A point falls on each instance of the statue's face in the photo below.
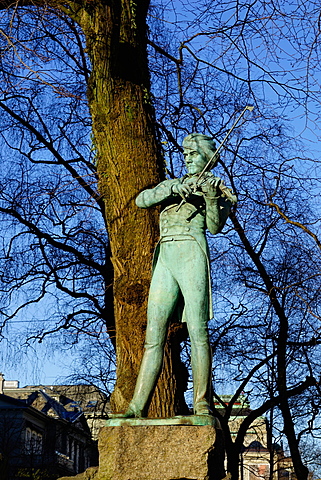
(195, 159)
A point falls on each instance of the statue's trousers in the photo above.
(181, 268)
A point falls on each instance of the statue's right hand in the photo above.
(182, 189)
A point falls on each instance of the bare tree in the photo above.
(206, 61)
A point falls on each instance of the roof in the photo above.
(17, 403)
(59, 409)
(14, 402)
(255, 446)
(89, 397)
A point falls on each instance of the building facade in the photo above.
(259, 459)
(41, 439)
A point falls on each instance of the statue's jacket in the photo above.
(189, 221)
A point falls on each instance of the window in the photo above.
(33, 441)
(259, 472)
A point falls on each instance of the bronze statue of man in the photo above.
(181, 270)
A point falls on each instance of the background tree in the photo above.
(273, 267)
(123, 130)
(206, 62)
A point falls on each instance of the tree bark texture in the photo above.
(128, 160)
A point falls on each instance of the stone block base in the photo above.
(90, 474)
(160, 452)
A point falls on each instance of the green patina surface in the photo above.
(194, 420)
(180, 284)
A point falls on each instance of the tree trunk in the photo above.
(300, 469)
(233, 456)
(128, 160)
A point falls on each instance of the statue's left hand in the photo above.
(210, 185)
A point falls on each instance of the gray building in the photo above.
(41, 438)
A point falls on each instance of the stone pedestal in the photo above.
(160, 452)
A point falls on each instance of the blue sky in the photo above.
(45, 363)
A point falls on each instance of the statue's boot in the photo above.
(130, 413)
(146, 381)
(201, 368)
(202, 408)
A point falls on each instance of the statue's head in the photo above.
(198, 149)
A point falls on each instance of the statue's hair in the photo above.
(203, 143)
